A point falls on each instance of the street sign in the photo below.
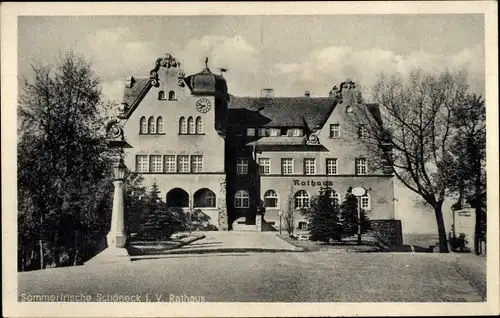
(280, 213)
(358, 191)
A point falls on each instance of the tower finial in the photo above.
(206, 62)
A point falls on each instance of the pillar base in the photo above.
(116, 239)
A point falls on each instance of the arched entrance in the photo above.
(177, 197)
(204, 198)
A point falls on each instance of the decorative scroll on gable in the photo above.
(169, 62)
(345, 87)
(114, 134)
(114, 130)
(312, 139)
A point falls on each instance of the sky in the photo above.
(290, 54)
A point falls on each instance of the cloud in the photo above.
(117, 53)
(233, 53)
(236, 54)
(331, 65)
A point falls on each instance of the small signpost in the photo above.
(280, 213)
(359, 192)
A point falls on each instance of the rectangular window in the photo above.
(331, 166)
(141, 163)
(287, 166)
(183, 163)
(242, 166)
(365, 202)
(362, 132)
(309, 166)
(360, 166)
(196, 163)
(262, 132)
(334, 131)
(251, 132)
(170, 164)
(264, 165)
(156, 163)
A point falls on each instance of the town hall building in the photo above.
(234, 158)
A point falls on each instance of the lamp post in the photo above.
(359, 192)
(116, 236)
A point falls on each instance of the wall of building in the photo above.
(379, 188)
(209, 144)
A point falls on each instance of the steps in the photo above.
(240, 225)
(244, 227)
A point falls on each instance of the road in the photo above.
(321, 276)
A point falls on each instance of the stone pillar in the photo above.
(222, 207)
(116, 236)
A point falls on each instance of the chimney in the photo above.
(267, 93)
(307, 93)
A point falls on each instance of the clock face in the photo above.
(203, 105)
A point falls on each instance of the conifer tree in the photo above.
(158, 221)
(324, 217)
(349, 215)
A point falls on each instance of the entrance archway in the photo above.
(178, 198)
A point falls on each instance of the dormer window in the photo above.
(274, 132)
(171, 95)
(262, 132)
(251, 132)
(161, 95)
(348, 109)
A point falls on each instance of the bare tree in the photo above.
(408, 131)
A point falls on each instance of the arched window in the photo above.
(143, 126)
(182, 126)
(270, 199)
(366, 202)
(161, 95)
(199, 125)
(159, 125)
(171, 95)
(191, 125)
(302, 199)
(335, 196)
(151, 125)
(241, 199)
(204, 198)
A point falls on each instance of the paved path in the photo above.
(322, 276)
(238, 241)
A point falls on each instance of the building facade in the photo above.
(233, 158)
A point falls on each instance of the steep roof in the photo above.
(131, 93)
(280, 111)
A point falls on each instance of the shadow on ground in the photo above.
(228, 251)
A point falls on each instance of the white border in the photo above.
(9, 14)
